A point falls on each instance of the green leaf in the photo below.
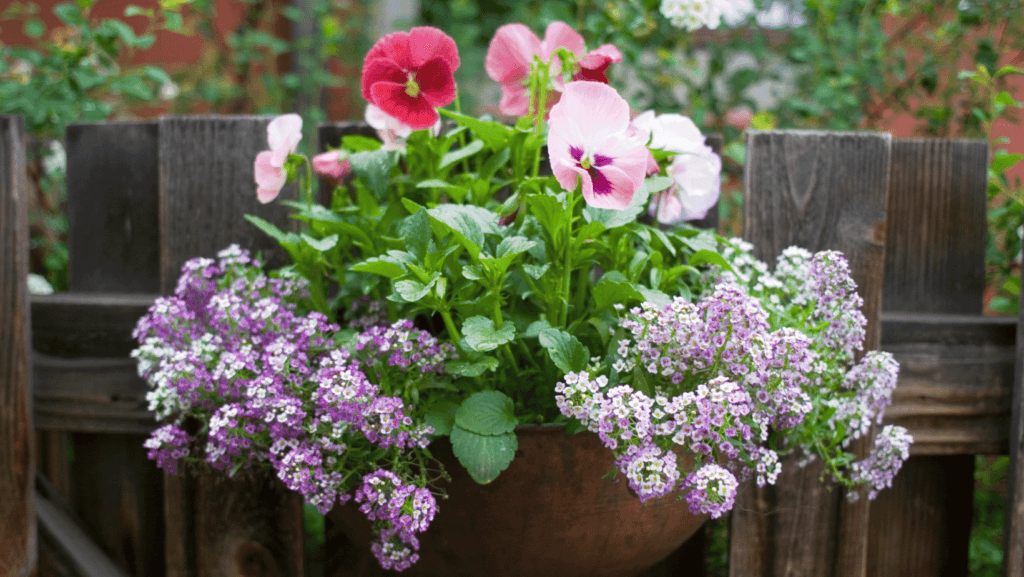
(655, 184)
(435, 183)
(1000, 162)
(549, 211)
(709, 257)
(359, 143)
(441, 416)
(536, 271)
(383, 266)
(487, 413)
(565, 350)
(495, 135)
(272, 231)
(416, 231)
(607, 293)
(34, 28)
(69, 14)
(469, 223)
(483, 456)
(653, 295)
(374, 168)
(323, 244)
(535, 329)
(481, 336)
(412, 291)
(454, 156)
(471, 369)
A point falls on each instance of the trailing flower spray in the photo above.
(452, 288)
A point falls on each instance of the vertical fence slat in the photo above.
(817, 190)
(206, 186)
(17, 509)
(935, 255)
(113, 247)
(217, 526)
(1013, 533)
(112, 215)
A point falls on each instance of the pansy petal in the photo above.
(612, 188)
(561, 35)
(510, 53)
(427, 43)
(394, 47)
(601, 56)
(698, 177)
(329, 164)
(600, 102)
(437, 85)
(566, 171)
(269, 179)
(666, 207)
(395, 101)
(515, 101)
(283, 135)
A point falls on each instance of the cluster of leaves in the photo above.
(525, 301)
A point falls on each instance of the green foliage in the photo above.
(986, 542)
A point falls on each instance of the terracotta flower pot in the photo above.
(551, 513)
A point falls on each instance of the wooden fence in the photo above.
(143, 197)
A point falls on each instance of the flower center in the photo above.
(411, 87)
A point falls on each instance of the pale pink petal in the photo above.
(566, 171)
(331, 165)
(666, 206)
(652, 165)
(283, 135)
(601, 56)
(606, 112)
(270, 179)
(514, 101)
(510, 53)
(677, 133)
(391, 130)
(617, 190)
(561, 35)
(698, 177)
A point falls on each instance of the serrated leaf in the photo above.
(565, 350)
(653, 295)
(471, 369)
(481, 335)
(483, 456)
(374, 168)
(415, 229)
(535, 329)
(487, 413)
(412, 291)
(608, 293)
(441, 416)
(494, 134)
(468, 223)
(536, 271)
(321, 244)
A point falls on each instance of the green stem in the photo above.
(567, 269)
(462, 135)
(449, 324)
(538, 122)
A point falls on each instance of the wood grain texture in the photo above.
(113, 228)
(820, 191)
(1013, 533)
(207, 185)
(91, 324)
(247, 526)
(935, 240)
(18, 553)
(81, 552)
(950, 394)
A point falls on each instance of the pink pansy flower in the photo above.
(331, 165)
(283, 135)
(410, 74)
(589, 138)
(695, 168)
(391, 130)
(511, 53)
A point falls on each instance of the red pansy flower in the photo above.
(409, 74)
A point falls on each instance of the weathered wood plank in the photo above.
(948, 394)
(112, 207)
(84, 555)
(18, 554)
(87, 324)
(207, 185)
(1013, 532)
(935, 260)
(817, 190)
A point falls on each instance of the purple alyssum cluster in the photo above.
(398, 511)
(761, 354)
(231, 349)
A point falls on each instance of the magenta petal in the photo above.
(510, 53)
(427, 43)
(394, 101)
(381, 70)
(269, 179)
(328, 164)
(436, 82)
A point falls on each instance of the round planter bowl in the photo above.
(551, 513)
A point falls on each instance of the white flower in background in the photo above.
(696, 169)
(37, 285)
(55, 160)
(692, 15)
(391, 130)
(169, 91)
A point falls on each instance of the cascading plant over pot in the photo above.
(452, 290)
